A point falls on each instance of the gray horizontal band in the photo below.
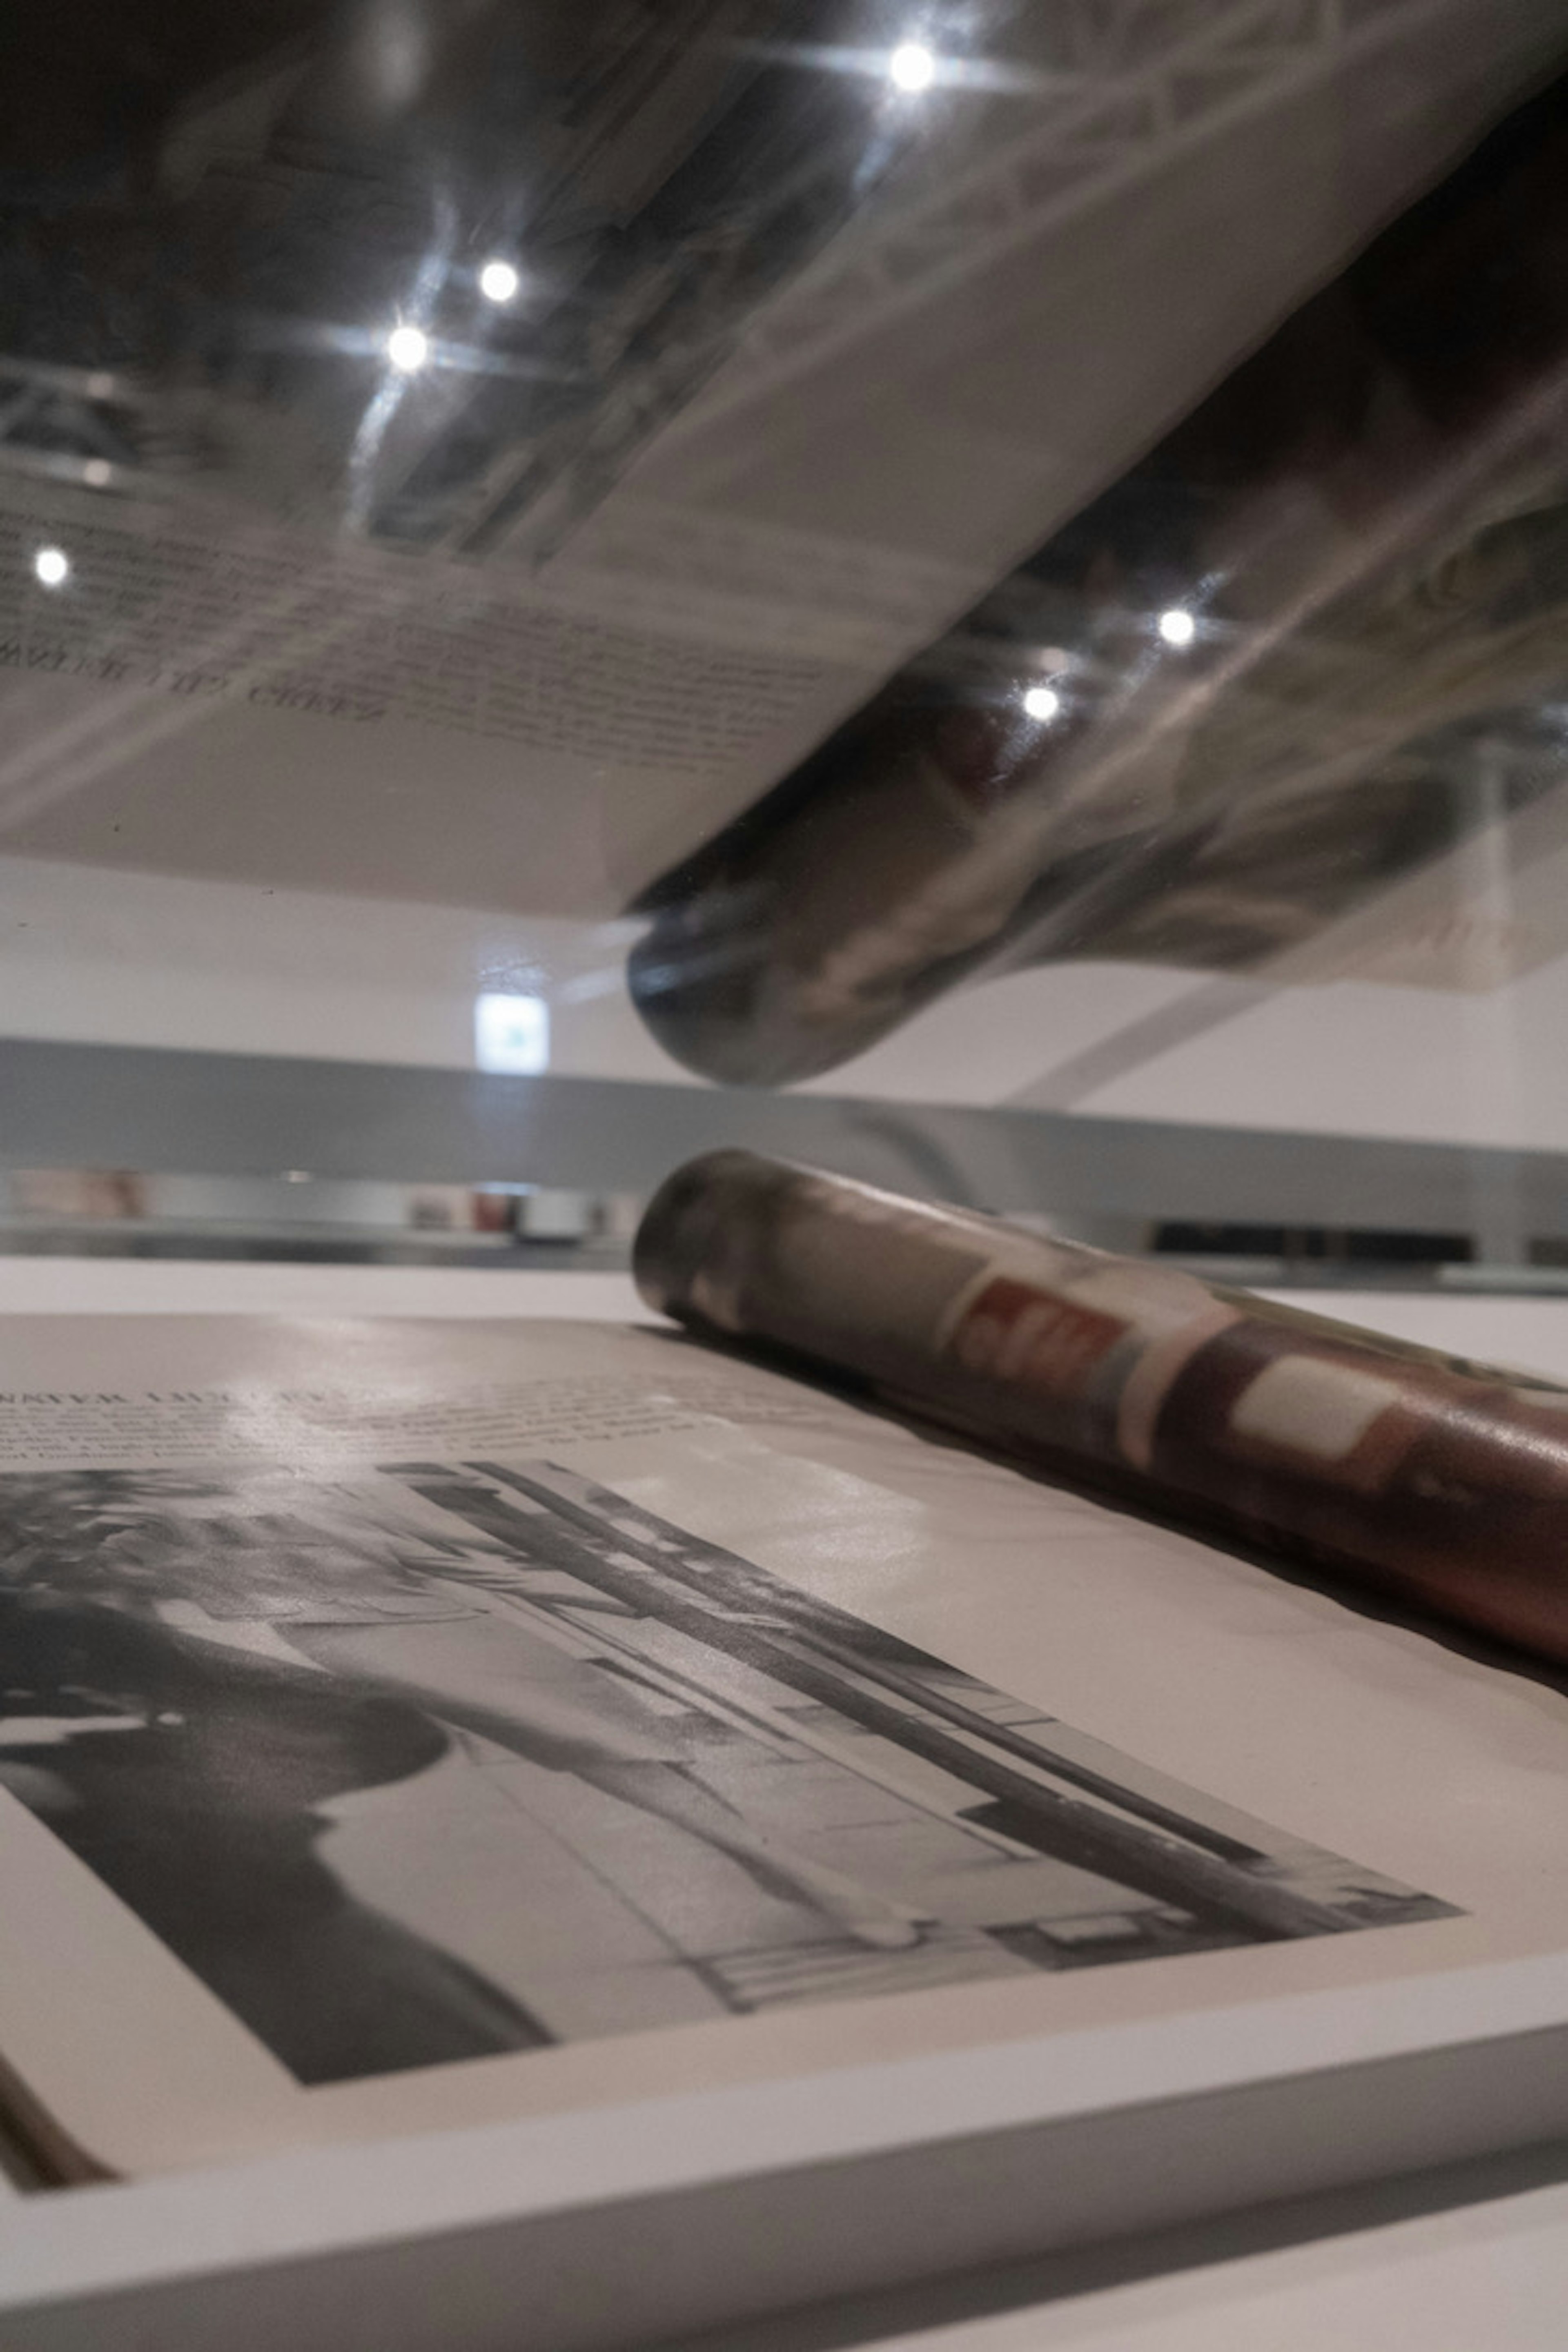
(81, 1106)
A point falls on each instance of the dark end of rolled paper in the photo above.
(690, 1236)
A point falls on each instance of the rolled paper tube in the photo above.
(1443, 1481)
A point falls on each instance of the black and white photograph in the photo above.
(446, 1759)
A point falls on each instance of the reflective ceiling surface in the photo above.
(977, 555)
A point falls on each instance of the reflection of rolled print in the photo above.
(1445, 1480)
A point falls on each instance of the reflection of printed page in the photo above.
(259, 705)
(634, 1721)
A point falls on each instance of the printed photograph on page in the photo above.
(452, 1758)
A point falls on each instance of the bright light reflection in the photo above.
(1177, 627)
(498, 281)
(1042, 702)
(51, 565)
(511, 1034)
(912, 67)
(407, 348)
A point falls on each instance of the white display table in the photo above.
(1490, 2270)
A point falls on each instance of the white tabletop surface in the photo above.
(1489, 2276)
(139, 1285)
(1525, 1331)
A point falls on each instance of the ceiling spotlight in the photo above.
(912, 67)
(1042, 702)
(1177, 627)
(51, 566)
(498, 281)
(407, 348)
